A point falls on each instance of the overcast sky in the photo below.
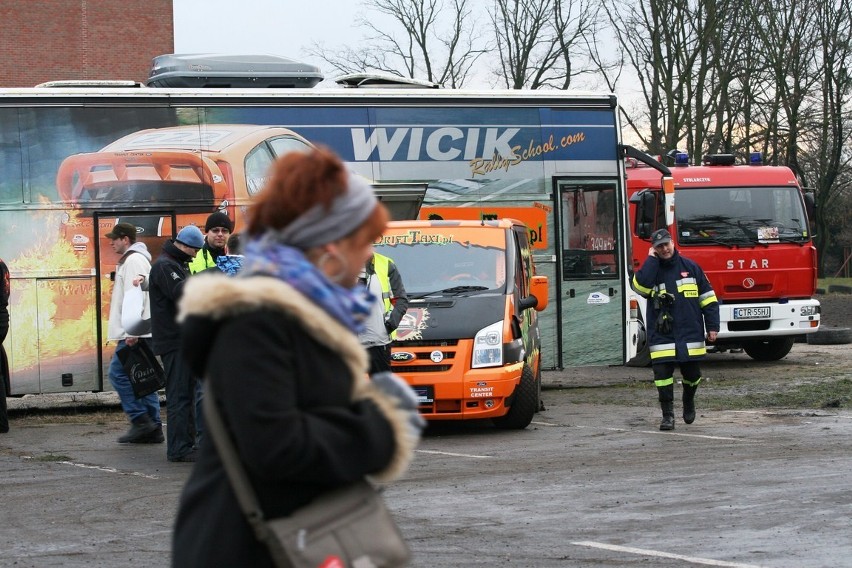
(277, 27)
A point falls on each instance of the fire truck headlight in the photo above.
(488, 346)
(810, 310)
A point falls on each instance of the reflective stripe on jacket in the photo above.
(694, 310)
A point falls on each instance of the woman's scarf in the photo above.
(266, 256)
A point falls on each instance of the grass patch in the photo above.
(723, 394)
(822, 394)
(51, 458)
(824, 283)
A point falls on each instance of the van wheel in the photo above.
(769, 349)
(524, 404)
(539, 404)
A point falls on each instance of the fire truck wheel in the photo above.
(769, 349)
(831, 336)
(523, 406)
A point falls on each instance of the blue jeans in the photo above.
(133, 407)
(183, 403)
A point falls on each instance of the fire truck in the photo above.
(748, 227)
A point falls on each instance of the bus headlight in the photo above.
(488, 346)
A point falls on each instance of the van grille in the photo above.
(420, 368)
(426, 343)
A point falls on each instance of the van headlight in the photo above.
(488, 346)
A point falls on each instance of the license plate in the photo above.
(424, 394)
(752, 313)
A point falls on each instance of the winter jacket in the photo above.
(136, 261)
(5, 291)
(165, 286)
(205, 259)
(291, 385)
(694, 307)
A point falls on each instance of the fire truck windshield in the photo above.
(738, 215)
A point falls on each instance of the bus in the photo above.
(77, 160)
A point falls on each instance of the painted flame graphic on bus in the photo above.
(53, 317)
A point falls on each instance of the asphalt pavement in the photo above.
(583, 485)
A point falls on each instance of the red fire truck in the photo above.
(748, 227)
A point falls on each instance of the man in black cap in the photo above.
(217, 230)
(681, 305)
(134, 263)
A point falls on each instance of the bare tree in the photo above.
(435, 40)
(539, 41)
(826, 130)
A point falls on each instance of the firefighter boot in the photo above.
(667, 423)
(689, 402)
(667, 406)
(141, 430)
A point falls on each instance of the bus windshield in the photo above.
(740, 215)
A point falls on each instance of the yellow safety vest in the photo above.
(381, 268)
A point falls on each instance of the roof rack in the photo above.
(361, 80)
(89, 83)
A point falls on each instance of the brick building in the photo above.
(50, 40)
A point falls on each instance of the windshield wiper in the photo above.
(701, 239)
(796, 240)
(451, 291)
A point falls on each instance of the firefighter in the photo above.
(681, 306)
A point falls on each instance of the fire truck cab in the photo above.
(748, 227)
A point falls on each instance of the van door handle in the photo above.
(612, 292)
(570, 293)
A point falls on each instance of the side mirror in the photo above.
(810, 205)
(646, 212)
(538, 297)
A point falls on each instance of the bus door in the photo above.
(592, 294)
(153, 229)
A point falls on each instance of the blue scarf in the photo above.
(266, 256)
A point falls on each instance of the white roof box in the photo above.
(205, 70)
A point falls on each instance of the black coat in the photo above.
(291, 385)
(165, 287)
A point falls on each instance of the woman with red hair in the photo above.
(278, 348)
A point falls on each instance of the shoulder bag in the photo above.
(348, 527)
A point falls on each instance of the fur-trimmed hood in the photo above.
(216, 297)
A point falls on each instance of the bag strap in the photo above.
(237, 474)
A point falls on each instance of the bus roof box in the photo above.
(205, 70)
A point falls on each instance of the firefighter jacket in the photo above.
(677, 290)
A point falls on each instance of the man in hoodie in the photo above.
(134, 262)
(183, 397)
(217, 228)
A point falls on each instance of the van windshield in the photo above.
(454, 268)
